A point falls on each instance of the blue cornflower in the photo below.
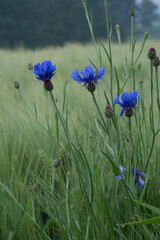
(44, 71)
(138, 175)
(89, 77)
(129, 102)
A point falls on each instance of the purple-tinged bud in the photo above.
(108, 111)
(129, 112)
(151, 53)
(131, 11)
(156, 62)
(48, 85)
(16, 84)
(140, 80)
(56, 163)
(30, 66)
(91, 87)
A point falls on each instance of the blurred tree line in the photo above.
(39, 23)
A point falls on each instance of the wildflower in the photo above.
(16, 84)
(138, 175)
(123, 172)
(108, 111)
(138, 178)
(151, 53)
(45, 72)
(131, 11)
(156, 62)
(56, 163)
(89, 77)
(129, 102)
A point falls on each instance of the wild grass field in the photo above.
(81, 199)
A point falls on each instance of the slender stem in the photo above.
(94, 100)
(62, 121)
(157, 87)
(154, 136)
(152, 98)
(52, 183)
(130, 130)
(132, 50)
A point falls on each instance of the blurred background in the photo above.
(38, 23)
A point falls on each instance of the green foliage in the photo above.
(34, 23)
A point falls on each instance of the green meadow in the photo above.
(81, 199)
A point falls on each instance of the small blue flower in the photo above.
(138, 175)
(44, 71)
(88, 76)
(138, 178)
(129, 102)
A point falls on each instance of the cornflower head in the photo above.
(137, 175)
(88, 76)
(129, 102)
(44, 72)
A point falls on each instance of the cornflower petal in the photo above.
(129, 101)
(44, 71)
(88, 76)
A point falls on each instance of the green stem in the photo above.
(94, 100)
(52, 183)
(132, 50)
(62, 121)
(153, 140)
(157, 86)
(130, 130)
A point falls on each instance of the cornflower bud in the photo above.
(91, 87)
(30, 66)
(48, 85)
(146, 33)
(151, 53)
(117, 26)
(129, 112)
(108, 111)
(16, 84)
(131, 11)
(56, 163)
(140, 80)
(156, 62)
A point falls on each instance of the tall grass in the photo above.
(81, 199)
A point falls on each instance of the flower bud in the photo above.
(56, 163)
(117, 26)
(156, 62)
(48, 85)
(91, 87)
(129, 112)
(108, 111)
(16, 84)
(146, 33)
(140, 80)
(131, 11)
(30, 66)
(151, 53)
